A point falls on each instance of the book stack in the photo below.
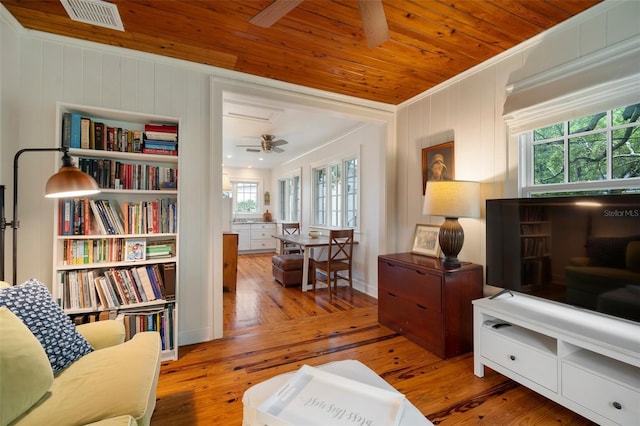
(158, 250)
(160, 139)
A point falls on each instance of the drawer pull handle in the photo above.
(421, 307)
(512, 357)
(391, 294)
(421, 272)
(617, 405)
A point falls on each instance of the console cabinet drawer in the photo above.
(601, 395)
(520, 358)
(412, 283)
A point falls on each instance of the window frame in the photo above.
(234, 191)
(526, 143)
(330, 201)
(290, 197)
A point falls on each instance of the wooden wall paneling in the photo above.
(72, 74)
(113, 86)
(92, 78)
(145, 83)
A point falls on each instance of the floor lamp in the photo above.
(68, 182)
(452, 199)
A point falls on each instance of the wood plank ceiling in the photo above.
(320, 43)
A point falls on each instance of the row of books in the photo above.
(116, 287)
(85, 133)
(114, 174)
(84, 216)
(159, 319)
(109, 250)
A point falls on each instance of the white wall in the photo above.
(468, 109)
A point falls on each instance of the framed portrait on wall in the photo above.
(437, 163)
(425, 240)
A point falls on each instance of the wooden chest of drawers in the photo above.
(428, 303)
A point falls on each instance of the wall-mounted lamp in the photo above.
(452, 199)
(68, 182)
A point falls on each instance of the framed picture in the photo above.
(135, 249)
(437, 163)
(425, 240)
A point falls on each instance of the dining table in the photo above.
(307, 244)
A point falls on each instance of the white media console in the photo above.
(587, 362)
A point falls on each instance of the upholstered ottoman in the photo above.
(287, 269)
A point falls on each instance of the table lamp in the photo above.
(452, 199)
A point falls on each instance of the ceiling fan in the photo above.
(267, 145)
(374, 21)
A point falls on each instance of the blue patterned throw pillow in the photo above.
(33, 304)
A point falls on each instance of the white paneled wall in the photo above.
(49, 71)
(469, 109)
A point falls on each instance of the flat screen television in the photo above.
(583, 251)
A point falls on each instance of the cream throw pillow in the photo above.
(24, 368)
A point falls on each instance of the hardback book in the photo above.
(66, 130)
(99, 136)
(85, 132)
(75, 130)
(169, 279)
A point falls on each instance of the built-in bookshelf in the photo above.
(115, 254)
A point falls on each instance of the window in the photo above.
(289, 189)
(336, 194)
(595, 153)
(245, 198)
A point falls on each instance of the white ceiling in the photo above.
(246, 118)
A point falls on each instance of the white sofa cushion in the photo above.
(25, 373)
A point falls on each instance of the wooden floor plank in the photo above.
(269, 330)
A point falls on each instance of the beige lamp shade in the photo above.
(454, 198)
(70, 182)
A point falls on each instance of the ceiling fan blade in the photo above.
(272, 13)
(253, 150)
(276, 149)
(374, 22)
(279, 142)
(248, 146)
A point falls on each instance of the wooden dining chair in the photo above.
(290, 229)
(339, 258)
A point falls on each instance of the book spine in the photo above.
(99, 136)
(66, 130)
(85, 132)
(75, 130)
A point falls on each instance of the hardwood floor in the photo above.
(270, 330)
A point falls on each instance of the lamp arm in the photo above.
(15, 223)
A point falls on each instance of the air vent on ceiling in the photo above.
(94, 12)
